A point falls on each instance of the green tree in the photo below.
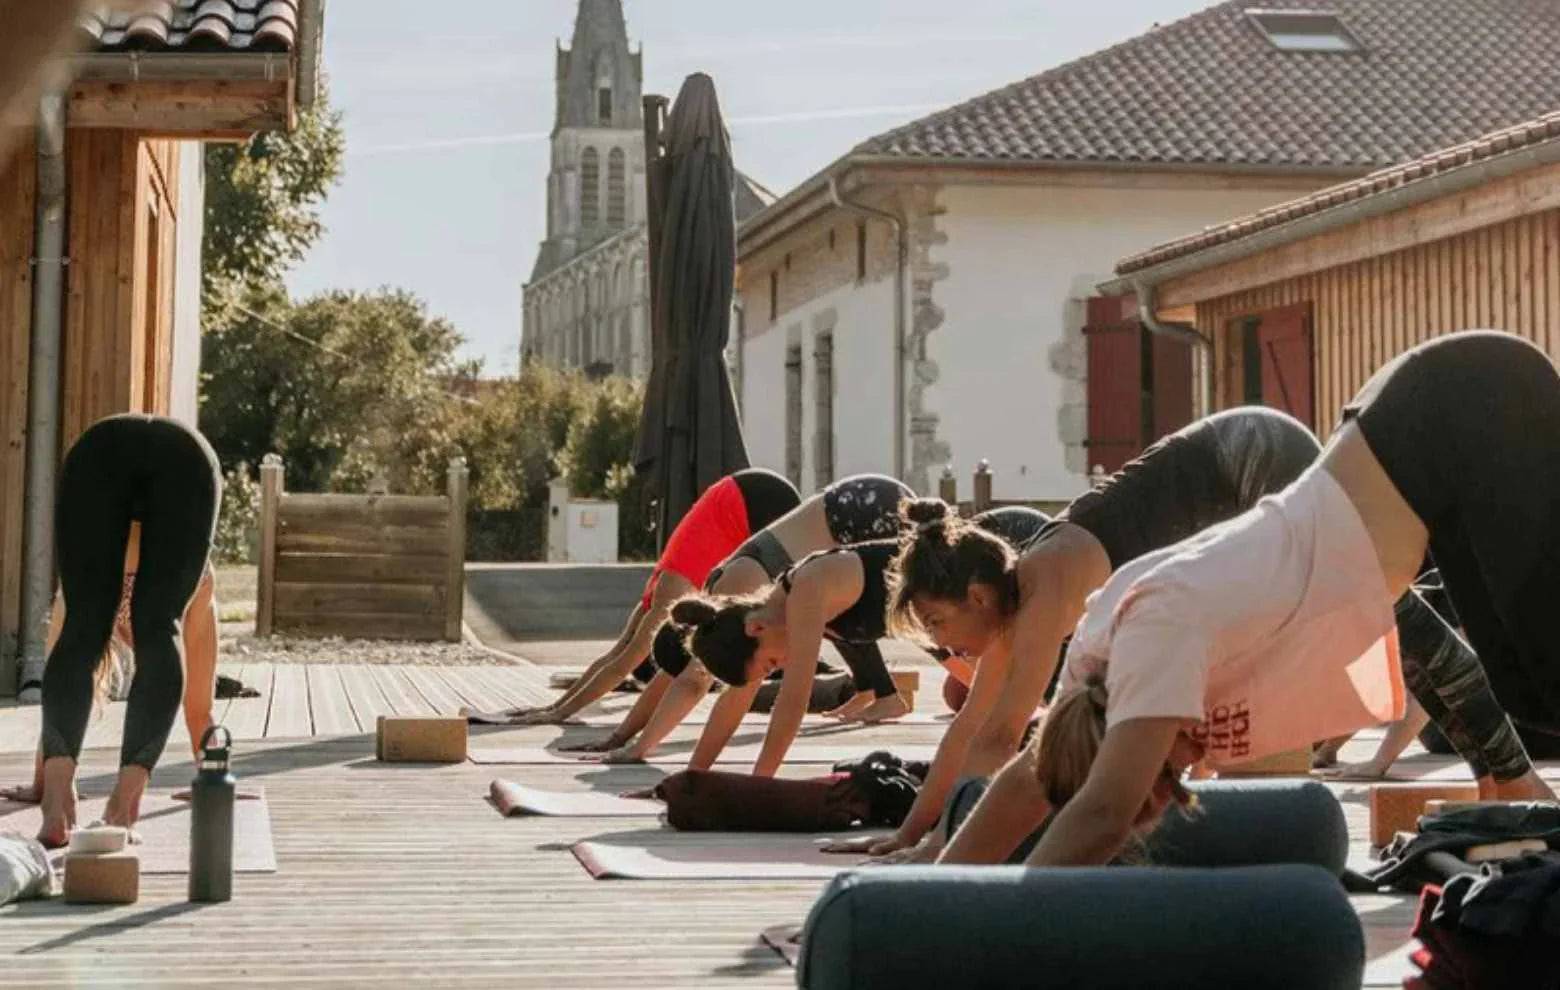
(347, 387)
(262, 205)
(598, 460)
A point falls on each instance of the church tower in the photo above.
(595, 187)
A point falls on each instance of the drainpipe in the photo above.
(901, 279)
(43, 396)
(1182, 332)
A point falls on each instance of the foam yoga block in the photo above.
(421, 739)
(1116, 927)
(1396, 808)
(1235, 823)
(102, 878)
(1290, 763)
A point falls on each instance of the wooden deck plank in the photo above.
(328, 702)
(246, 717)
(289, 717)
(473, 691)
(434, 689)
(368, 701)
(400, 694)
(521, 685)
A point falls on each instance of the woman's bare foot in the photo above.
(124, 804)
(884, 709)
(59, 801)
(23, 793)
(1528, 787)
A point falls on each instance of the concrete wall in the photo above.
(185, 374)
(999, 274)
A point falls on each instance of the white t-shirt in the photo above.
(1272, 630)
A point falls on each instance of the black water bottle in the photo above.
(212, 795)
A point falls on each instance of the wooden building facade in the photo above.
(144, 97)
(1301, 303)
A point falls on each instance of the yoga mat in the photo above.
(165, 832)
(513, 799)
(660, 855)
(786, 940)
(829, 754)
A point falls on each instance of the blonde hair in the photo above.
(1070, 740)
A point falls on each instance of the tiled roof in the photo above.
(1503, 142)
(1212, 90)
(196, 25)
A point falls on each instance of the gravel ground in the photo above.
(240, 645)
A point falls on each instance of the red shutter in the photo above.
(1115, 387)
(1284, 338)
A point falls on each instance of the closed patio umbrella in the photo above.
(689, 434)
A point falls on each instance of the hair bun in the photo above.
(927, 511)
(693, 612)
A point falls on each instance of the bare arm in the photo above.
(645, 706)
(633, 645)
(200, 658)
(1056, 578)
(1399, 736)
(680, 697)
(725, 718)
(1012, 807)
(950, 763)
(1092, 828)
(820, 589)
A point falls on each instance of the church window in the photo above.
(617, 188)
(604, 106)
(590, 188)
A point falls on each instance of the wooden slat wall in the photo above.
(362, 566)
(17, 181)
(1504, 277)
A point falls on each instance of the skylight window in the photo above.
(1304, 30)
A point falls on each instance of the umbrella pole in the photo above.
(654, 123)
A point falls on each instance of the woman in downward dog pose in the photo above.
(135, 514)
(728, 513)
(964, 591)
(1201, 650)
(840, 595)
(856, 509)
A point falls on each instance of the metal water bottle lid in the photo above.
(215, 757)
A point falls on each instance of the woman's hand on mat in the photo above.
(606, 745)
(872, 845)
(22, 794)
(644, 793)
(623, 754)
(924, 851)
(1368, 770)
(537, 716)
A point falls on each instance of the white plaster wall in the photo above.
(185, 374)
(863, 326)
(1020, 261)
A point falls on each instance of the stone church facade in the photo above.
(587, 302)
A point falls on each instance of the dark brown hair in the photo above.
(940, 556)
(715, 631)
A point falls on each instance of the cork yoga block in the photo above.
(1290, 763)
(102, 878)
(907, 681)
(1396, 808)
(421, 739)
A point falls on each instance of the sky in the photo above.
(447, 109)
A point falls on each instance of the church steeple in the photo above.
(595, 186)
(599, 80)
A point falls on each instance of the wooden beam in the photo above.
(182, 109)
(1447, 216)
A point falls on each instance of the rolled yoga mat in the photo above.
(1116, 927)
(1235, 823)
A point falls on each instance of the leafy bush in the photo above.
(238, 522)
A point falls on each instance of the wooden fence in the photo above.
(948, 491)
(362, 566)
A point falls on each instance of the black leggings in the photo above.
(124, 469)
(1467, 427)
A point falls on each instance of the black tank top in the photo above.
(865, 620)
(1194, 478)
(766, 495)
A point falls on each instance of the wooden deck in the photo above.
(402, 875)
